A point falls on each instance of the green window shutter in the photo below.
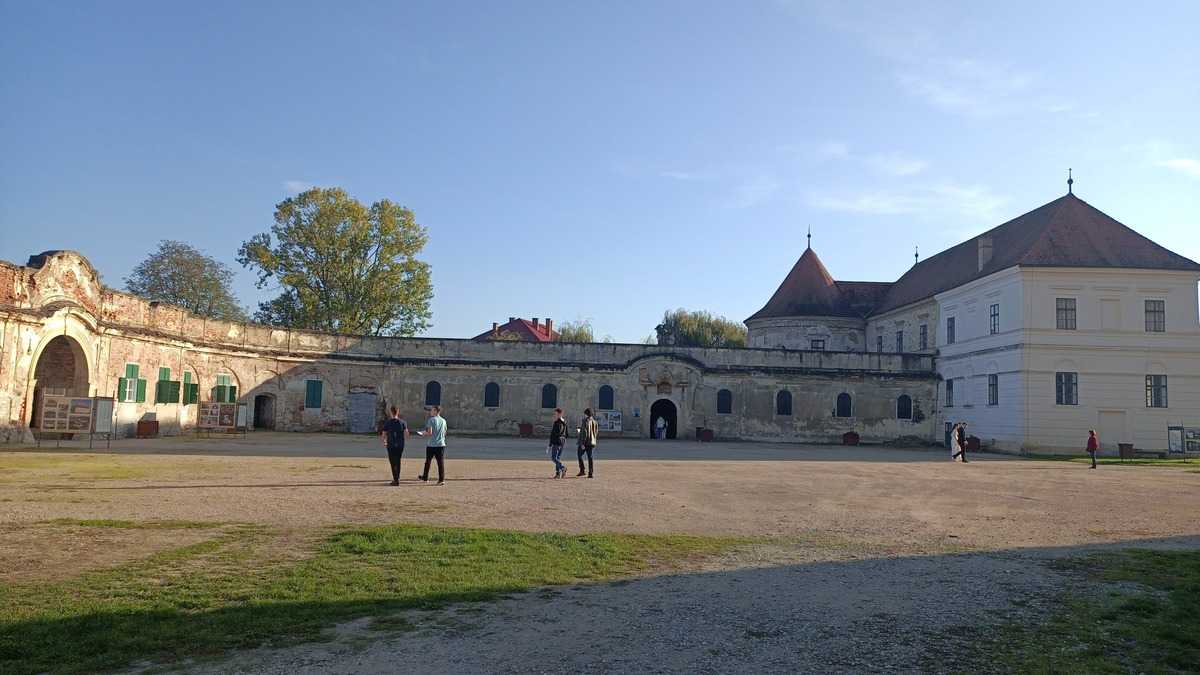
(231, 394)
(141, 391)
(131, 371)
(191, 393)
(160, 391)
(164, 374)
(218, 393)
(173, 391)
(312, 393)
(187, 378)
(120, 389)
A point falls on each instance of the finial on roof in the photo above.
(916, 254)
(810, 236)
(1070, 181)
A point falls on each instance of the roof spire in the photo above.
(1070, 181)
(916, 254)
(810, 236)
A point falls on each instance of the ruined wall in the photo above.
(115, 329)
(839, 334)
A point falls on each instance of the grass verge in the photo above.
(225, 593)
(1142, 620)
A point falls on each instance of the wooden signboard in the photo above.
(67, 414)
(221, 417)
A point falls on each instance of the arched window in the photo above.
(433, 393)
(845, 406)
(606, 398)
(724, 402)
(904, 407)
(783, 403)
(549, 396)
(491, 395)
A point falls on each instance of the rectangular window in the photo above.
(131, 389)
(993, 390)
(1066, 388)
(224, 392)
(1156, 391)
(1064, 313)
(312, 393)
(816, 345)
(879, 343)
(994, 319)
(191, 390)
(1156, 316)
(950, 330)
(949, 393)
(166, 390)
(899, 341)
(924, 337)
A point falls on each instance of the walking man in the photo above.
(394, 432)
(1093, 445)
(589, 432)
(435, 427)
(558, 433)
(660, 428)
(959, 439)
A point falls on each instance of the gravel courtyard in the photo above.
(865, 558)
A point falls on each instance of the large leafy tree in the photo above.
(343, 267)
(579, 331)
(699, 329)
(179, 274)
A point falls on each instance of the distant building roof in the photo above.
(1067, 232)
(521, 330)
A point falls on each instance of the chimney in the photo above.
(535, 323)
(549, 326)
(985, 251)
(512, 319)
(495, 327)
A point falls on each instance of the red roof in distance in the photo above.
(520, 330)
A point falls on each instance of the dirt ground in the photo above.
(886, 499)
(870, 557)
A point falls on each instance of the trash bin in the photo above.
(1125, 450)
(850, 438)
(526, 429)
(147, 428)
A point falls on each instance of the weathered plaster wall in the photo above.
(839, 334)
(60, 294)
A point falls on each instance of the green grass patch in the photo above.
(232, 592)
(1144, 622)
(1116, 461)
(67, 466)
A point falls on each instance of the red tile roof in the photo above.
(1067, 232)
(525, 331)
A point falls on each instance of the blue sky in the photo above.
(595, 160)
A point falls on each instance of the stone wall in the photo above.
(60, 294)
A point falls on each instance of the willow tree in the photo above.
(699, 329)
(342, 267)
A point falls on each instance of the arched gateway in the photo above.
(61, 369)
(665, 409)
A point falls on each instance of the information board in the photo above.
(1182, 439)
(67, 414)
(217, 416)
(608, 420)
(104, 416)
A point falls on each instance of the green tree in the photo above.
(179, 274)
(699, 329)
(579, 331)
(344, 267)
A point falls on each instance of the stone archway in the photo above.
(666, 409)
(60, 368)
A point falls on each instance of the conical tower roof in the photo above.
(807, 290)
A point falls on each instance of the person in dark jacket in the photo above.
(393, 435)
(558, 434)
(1093, 445)
(961, 436)
(589, 436)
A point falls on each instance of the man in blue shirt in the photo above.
(435, 427)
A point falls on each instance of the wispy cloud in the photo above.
(686, 175)
(753, 191)
(1184, 165)
(969, 86)
(296, 186)
(897, 165)
(972, 202)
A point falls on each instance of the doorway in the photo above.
(666, 410)
(264, 411)
(1112, 429)
(61, 370)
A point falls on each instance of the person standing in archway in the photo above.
(435, 427)
(393, 435)
(589, 436)
(660, 428)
